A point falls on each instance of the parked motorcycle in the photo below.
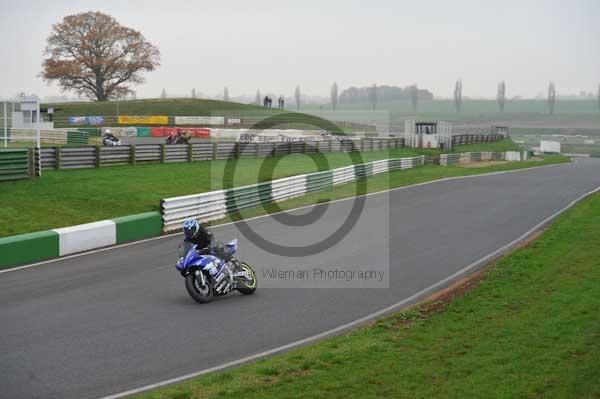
(207, 276)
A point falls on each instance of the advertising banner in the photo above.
(233, 121)
(95, 120)
(86, 120)
(77, 120)
(143, 120)
(199, 120)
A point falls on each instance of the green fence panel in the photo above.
(143, 132)
(248, 197)
(137, 227)
(27, 248)
(363, 170)
(319, 181)
(14, 164)
(91, 131)
(76, 137)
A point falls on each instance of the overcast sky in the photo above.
(276, 45)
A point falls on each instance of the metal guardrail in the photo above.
(76, 157)
(15, 164)
(218, 204)
(468, 157)
(462, 139)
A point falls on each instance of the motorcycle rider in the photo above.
(206, 243)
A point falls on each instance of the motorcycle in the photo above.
(179, 138)
(110, 140)
(207, 276)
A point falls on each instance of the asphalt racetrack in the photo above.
(106, 322)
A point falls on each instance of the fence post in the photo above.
(237, 149)
(330, 145)
(257, 150)
(37, 161)
(132, 159)
(318, 146)
(58, 157)
(304, 147)
(362, 144)
(274, 149)
(98, 156)
(30, 161)
(162, 153)
(289, 147)
(190, 152)
(215, 149)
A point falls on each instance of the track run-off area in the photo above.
(114, 320)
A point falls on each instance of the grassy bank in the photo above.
(65, 198)
(528, 327)
(250, 114)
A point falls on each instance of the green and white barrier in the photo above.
(35, 247)
(218, 204)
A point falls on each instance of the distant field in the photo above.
(523, 116)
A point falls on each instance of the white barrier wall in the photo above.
(88, 236)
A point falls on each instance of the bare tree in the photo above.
(298, 97)
(225, 94)
(458, 95)
(193, 93)
(93, 55)
(551, 97)
(373, 96)
(334, 96)
(258, 97)
(501, 96)
(163, 94)
(414, 96)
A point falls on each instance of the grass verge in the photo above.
(527, 327)
(65, 198)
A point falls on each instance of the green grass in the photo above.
(528, 329)
(66, 198)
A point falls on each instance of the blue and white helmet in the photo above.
(190, 228)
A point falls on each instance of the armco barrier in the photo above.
(462, 139)
(79, 157)
(33, 247)
(15, 164)
(218, 204)
(468, 157)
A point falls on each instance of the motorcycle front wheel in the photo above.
(194, 287)
(247, 286)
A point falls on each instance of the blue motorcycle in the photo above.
(207, 276)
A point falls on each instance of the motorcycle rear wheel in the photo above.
(244, 286)
(198, 294)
